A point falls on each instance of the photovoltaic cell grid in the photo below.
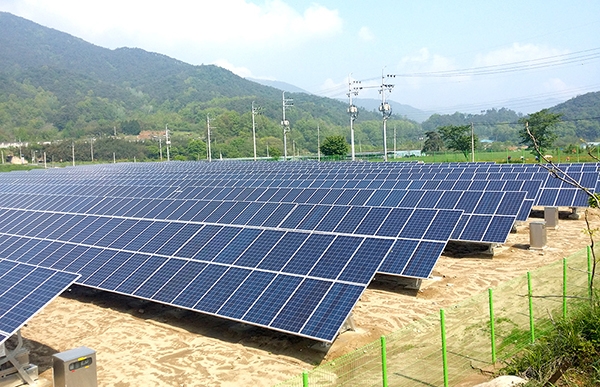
(250, 274)
(487, 215)
(552, 192)
(479, 208)
(24, 291)
(172, 186)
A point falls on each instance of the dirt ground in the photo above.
(140, 343)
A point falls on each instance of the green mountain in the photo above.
(57, 86)
(581, 117)
(580, 120)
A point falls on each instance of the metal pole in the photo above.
(160, 147)
(444, 354)
(167, 141)
(384, 362)
(114, 158)
(208, 150)
(285, 123)
(492, 326)
(394, 141)
(73, 151)
(385, 158)
(564, 303)
(254, 130)
(384, 119)
(353, 112)
(352, 135)
(319, 143)
(530, 297)
(45, 166)
(472, 143)
(92, 149)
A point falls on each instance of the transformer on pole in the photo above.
(385, 108)
(286, 102)
(352, 110)
(255, 111)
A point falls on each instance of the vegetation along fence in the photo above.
(445, 348)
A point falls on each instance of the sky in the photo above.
(447, 56)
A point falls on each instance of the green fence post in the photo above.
(529, 296)
(492, 326)
(589, 270)
(384, 362)
(564, 304)
(305, 378)
(444, 355)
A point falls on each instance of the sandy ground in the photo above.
(145, 344)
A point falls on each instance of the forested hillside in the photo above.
(56, 86)
(580, 120)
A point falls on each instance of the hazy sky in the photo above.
(448, 55)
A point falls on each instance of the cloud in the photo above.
(516, 53)
(554, 85)
(232, 22)
(423, 62)
(365, 34)
(241, 71)
(333, 88)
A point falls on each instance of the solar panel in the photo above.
(287, 246)
(117, 257)
(24, 291)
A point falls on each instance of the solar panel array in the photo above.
(24, 291)
(287, 246)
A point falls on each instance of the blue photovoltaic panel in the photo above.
(232, 240)
(24, 291)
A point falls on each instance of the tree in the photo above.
(335, 146)
(539, 127)
(131, 127)
(458, 138)
(433, 143)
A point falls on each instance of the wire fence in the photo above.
(478, 333)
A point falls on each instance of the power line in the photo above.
(532, 64)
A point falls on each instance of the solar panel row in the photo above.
(24, 290)
(154, 259)
(287, 246)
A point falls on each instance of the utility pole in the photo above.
(385, 109)
(92, 148)
(167, 141)
(394, 141)
(208, 151)
(352, 110)
(73, 151)
(255, 111)
(286, 102)
(318, 143)
(472, 143)
(160, 147)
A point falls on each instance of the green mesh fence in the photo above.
(414, 353)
